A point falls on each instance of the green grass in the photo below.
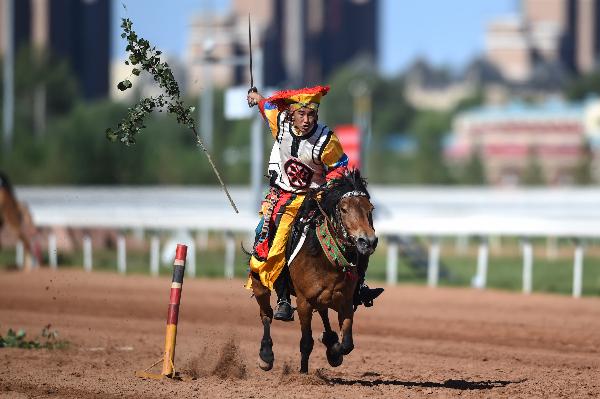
(504, 271)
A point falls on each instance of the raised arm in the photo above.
(269, 111)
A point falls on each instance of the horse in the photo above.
(18, 218)
(343, 207)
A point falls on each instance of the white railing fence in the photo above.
(425, 212)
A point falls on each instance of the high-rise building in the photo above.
(564, 33)
(302, 41)
(76, 30)
(307, 40)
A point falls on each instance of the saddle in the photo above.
(296, 240)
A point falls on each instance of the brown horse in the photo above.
(16, 215)
(317, 283)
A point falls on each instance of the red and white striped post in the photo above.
(173, 314)
(168, 369)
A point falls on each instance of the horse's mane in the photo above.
(330, 197)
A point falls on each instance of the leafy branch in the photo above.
(144, 57)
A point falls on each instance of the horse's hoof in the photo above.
(335, 356)
(329, 338)
(346, 349)
(265, 366)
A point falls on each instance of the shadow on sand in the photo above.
(450, 384)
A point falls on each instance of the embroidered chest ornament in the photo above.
(333, 249)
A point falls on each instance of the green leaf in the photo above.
(124, 85)
(135, 71)
(111, 135)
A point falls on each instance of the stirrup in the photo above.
(284, 311)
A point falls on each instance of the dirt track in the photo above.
(416, 342)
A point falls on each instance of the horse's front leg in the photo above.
(346, 318)
(330, 339)
(263, 297)
(306, 342)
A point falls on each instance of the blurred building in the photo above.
(303, 42)
(529, 55)
(77, 30)
(509, 139)
(559, 34)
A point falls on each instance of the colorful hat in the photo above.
(309, 97)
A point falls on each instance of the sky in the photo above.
(445, 32)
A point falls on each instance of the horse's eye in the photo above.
(343, 210)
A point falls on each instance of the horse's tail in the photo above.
(5, 182)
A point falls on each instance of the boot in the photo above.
(363, 295)
(367, 294)
(284, 310)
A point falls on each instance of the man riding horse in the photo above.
(305, 155)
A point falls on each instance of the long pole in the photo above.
(8, 95)
(256, 168)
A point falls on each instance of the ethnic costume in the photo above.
(297, 164)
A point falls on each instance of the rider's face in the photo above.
(304, 120)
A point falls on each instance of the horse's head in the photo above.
(348, 203)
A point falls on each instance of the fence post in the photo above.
(121, 254)
(229, 255)
(154, 256)
(87, 253)
(433, 267)
(52, 251)
(20, 255)
(480, 279)
(391, 269)
(527, 266)
(191, 263)
(578, 270)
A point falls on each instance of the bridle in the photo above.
(337, 226)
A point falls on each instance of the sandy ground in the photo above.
(416, 342)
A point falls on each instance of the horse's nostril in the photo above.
(367, 242)
(374, 242)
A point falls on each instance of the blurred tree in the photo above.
(475, 100)
(474, 172)
(583, 86)
(429, 128)
(35, 69)
(533, 174)
(390, 112)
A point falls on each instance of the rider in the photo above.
(305, 155)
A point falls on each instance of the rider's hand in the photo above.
(253, 98)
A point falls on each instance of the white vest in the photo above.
(295, 162)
